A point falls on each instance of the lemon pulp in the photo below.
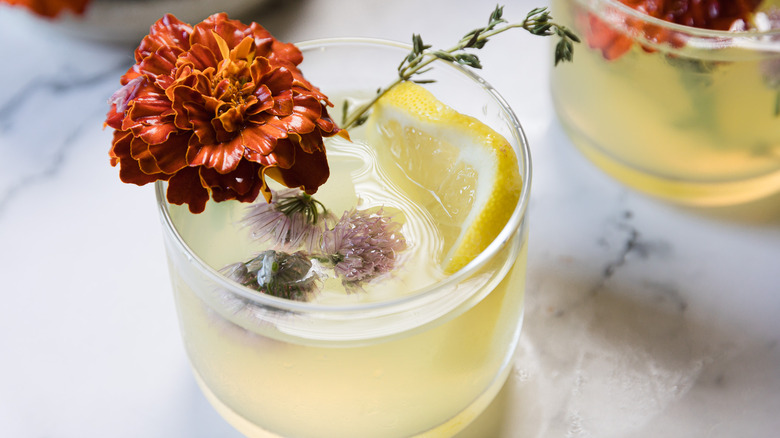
(466, 173)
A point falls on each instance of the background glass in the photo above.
(686, 114)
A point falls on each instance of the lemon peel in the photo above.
(468, 172)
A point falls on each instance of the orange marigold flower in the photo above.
(216, 108)
(51, 8)
(703, 14)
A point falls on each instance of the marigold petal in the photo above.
(129, 169)
(273, 49)
(130, 172)
(310, 142)
(326, 124)
(305, 171)
(283, 104)
(244, 50)
(149, 115)
(168, 31)
(264, 41)
(283, 155)
(242, 184)
(265, 189)
(230, 121)
(286, 52)
(223, 157)
(263, 138)
(308, 172)
(153, 130)
(278, 80)
(139, 151)
(167, 158)
(149, 101)
(203, 130)
(120, 145)
(186, 188)
(216, 25)
(171, 156)
(278, 83)
(199, 56)
(188, 105)
(160, 62)
(305, 111)
(113, 118)
(264, 101)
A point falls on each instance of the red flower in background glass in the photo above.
(703, 14)
(216, 108)
(50, 8)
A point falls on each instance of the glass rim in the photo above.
(514, 223)
(693, 31)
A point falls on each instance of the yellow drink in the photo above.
(417, 354)
(697, 123)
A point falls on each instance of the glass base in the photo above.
(687, 192)
(447, 429)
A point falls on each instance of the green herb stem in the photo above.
(538, 22)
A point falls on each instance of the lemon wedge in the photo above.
(462, 171)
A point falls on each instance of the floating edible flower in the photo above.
(363, 245)
(216, 108)
(360, 246)
(293, 219)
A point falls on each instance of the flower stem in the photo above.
(538, 22)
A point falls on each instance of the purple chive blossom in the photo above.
(360, 246)
(289, 221)
(363, 245)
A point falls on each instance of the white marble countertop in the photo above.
(644, 319)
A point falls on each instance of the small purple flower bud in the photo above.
(286, 229)
(363, 245)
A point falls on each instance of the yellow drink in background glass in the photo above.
(420, 354)
(697, 122)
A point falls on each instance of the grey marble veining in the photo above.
(46, 105)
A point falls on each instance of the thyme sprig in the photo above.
(538, 22)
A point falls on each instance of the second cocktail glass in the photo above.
(683, 113)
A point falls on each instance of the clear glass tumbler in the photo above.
(425, 363)
(686, 114)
